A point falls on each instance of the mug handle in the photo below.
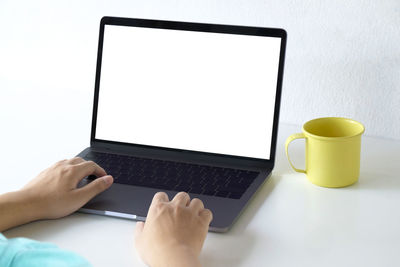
(288, 140)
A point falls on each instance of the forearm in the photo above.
(15, 209)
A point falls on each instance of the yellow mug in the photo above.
(333, 147)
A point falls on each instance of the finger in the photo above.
(86, 168)
(92, 189)
(207, 215)
(182, 198)
(75, 160)
(159, 197)
(196, 204)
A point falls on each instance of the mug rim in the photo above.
(334, 137)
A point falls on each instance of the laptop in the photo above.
(182, 106)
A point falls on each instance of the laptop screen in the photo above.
(199, 91)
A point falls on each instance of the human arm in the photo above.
(53, 193)
(174, 231)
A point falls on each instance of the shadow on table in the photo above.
(46, 229)
(376, 181)
(252, 208)
(379, 166)
(231, 248)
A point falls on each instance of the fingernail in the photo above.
(108, 179)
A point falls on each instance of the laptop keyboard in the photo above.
(176, 176)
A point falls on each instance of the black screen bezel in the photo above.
(201, 27)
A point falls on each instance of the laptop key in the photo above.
(208, 192)
(182, 188)
(222, 193)
(195, 191)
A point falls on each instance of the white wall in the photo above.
(343, 57)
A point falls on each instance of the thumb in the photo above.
(97, 186)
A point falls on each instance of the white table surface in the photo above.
(289, 222)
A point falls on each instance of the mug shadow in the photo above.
(376, 181)
(379, 169)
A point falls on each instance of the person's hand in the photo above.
(174, 231)
(53, 193)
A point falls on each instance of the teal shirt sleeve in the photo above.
(19, 252)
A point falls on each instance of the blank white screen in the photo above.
(198, 91)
